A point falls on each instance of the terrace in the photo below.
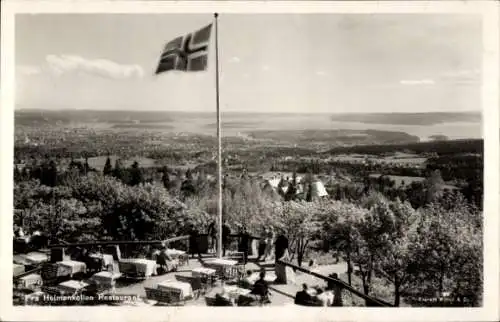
(176, 287)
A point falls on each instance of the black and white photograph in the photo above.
(214, 158)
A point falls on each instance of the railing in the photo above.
(128, 247)
(33, 271)
(120, 242)
(370, 301)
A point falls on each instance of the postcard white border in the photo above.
(489, 312)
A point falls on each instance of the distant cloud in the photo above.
(63, 64)
(266, 68)
(234, 59)
(417, 82)
(246, 75)
(462, 77)
(320, 73)
(450, 77)
(28, 70)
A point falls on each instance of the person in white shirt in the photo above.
(325, 297)
(268, 253)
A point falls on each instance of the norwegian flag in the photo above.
(187, 53)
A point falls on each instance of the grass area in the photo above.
(321, 258)
(380, 290)
(415, 160)
(406, 181)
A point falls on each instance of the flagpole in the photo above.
(219, 143)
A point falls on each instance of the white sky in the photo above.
(330, 63)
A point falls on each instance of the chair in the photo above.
(221, 301)
(221, 272)
(175, 297)
(243, 283)
(207, 282)
(263, 299)
(51, 290)
(198, 286)
(94, 265)
(210, 301)
(161, 262)
(49, 274)
(183, 260)
(303, 301)
(95, 289)
(240, 271)
(164, 296)
(261, 294)
(130, 270)
(152, 293)
(195, 283)
(248, 300)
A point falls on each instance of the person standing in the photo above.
(281, 246)
(337, 290)
(226, 231)
(193, 241)
(262, 245)
(269, 244)
(244, 243)
(212, 235)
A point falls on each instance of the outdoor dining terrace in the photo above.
(109, 278)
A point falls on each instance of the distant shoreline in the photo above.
(37, 116)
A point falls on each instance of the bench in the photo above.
(171, 297)
(130, 271)
(218, 300)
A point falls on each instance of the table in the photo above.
(180, 255)
(30, 281)
(33, 258)
(230, 293)
(17, 269)
(270, 277)
(72, 286)
(185, 288)
(143, 266)
(224, 267)
(206, 274)
(235, 292)
(203, 272)
(106, 278)
(107, 259)
(70, 268)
